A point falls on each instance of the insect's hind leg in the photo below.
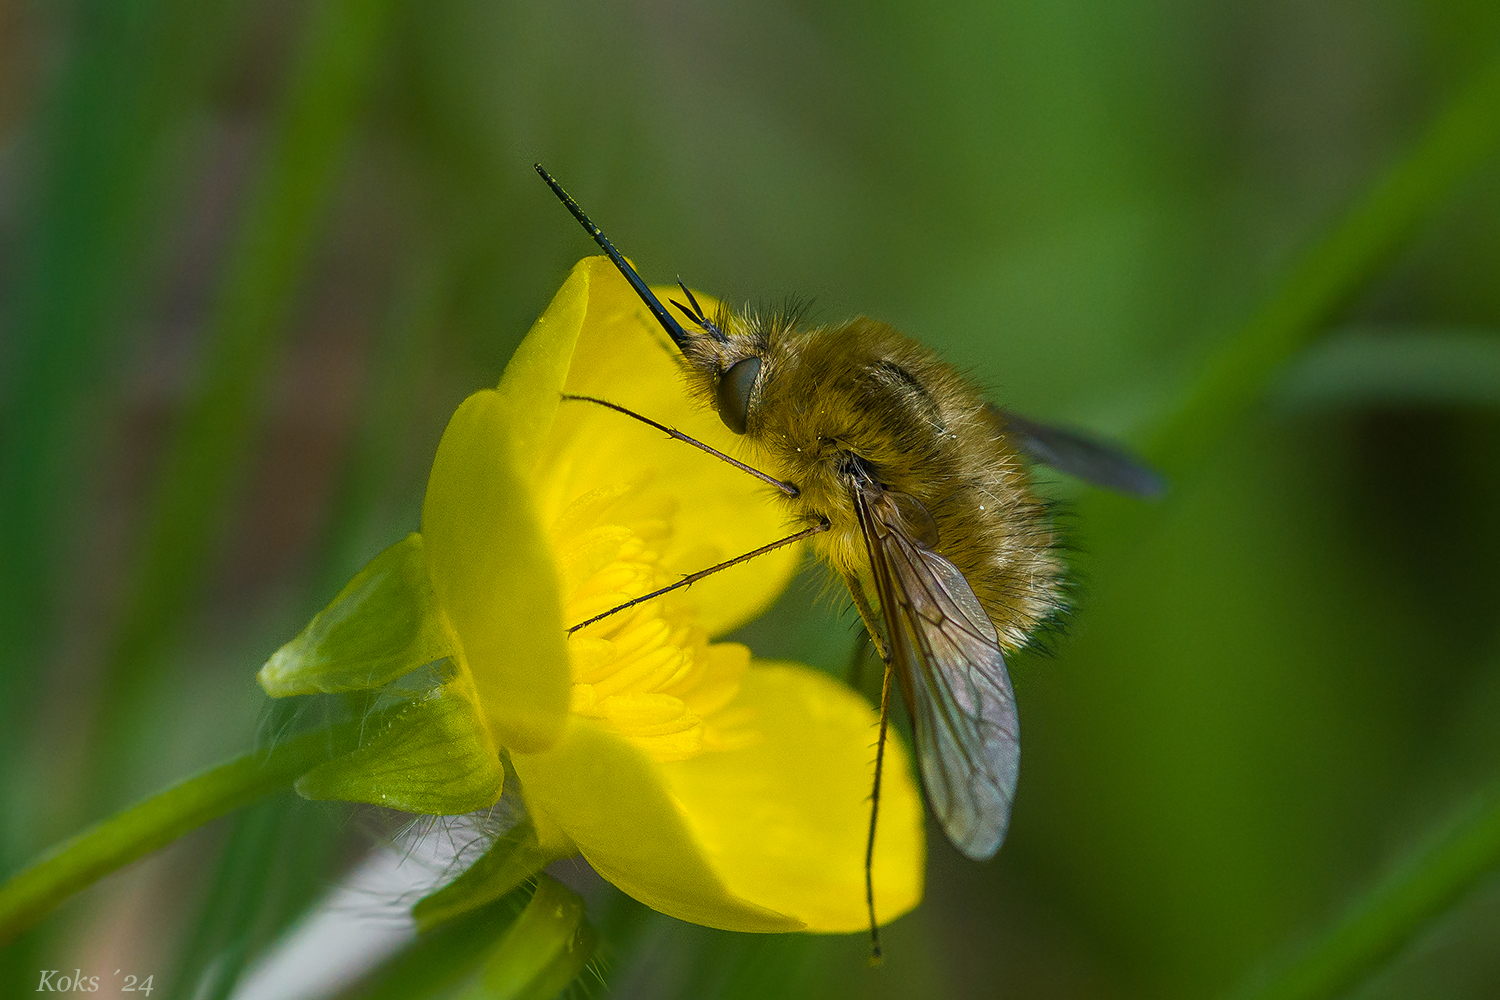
(872, 629)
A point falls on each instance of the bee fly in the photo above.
(914, 488)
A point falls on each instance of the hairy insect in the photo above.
(915, 489)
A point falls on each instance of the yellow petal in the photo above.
(785, 818)
(533, 380)
(609, 798)
(717, 511)
(493, 576)
(491, 566)
(767, 836)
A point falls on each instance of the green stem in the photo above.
(1377, 926)
(140, 829)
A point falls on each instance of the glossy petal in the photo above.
(769, 835)
(730, 796)
(532, 385)
(493, 576)
(610, 798)
(718, 511)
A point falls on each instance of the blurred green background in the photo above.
(253, 255)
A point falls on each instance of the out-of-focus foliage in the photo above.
(252, 256)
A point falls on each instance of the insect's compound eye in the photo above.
(733, 393)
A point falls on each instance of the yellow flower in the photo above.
(723, 791)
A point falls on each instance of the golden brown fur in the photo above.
(864, 389)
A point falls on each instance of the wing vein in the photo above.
(953, 678)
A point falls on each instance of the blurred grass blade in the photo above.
(543, 951)
(1394, 912)
(393, 388)
(283, 834)
(1461, 139)
(527, 945)
(247, 324)
(746, 966)
(267, 856)
(134, 832)
(1396, 368)
(442, 960)
(510, 860)
(134, 74)
(272, 866)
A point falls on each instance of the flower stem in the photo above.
(140, 829)
(1424, 886)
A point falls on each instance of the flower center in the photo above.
(649, 672)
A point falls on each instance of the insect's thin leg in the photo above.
(867, 613)
(885, 716)
(857, 660)
(785, 487)
(693, 578)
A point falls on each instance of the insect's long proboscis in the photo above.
(671, 326)
(881, 439)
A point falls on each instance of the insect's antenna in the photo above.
(696, 314)
(674, 329)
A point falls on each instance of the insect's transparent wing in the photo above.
(953, 676)
(1078, 455)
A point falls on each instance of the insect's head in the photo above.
(709, 350)
(731, 359)
(732, 395)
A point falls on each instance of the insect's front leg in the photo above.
(883, 648)
(867, 615)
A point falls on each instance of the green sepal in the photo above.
(542, 952)
(511, 860)
(383, 624)
(430, 755)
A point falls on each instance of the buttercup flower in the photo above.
(720, 790)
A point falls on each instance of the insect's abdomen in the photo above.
(864, 389)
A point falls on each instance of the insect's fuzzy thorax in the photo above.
(863, 388)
